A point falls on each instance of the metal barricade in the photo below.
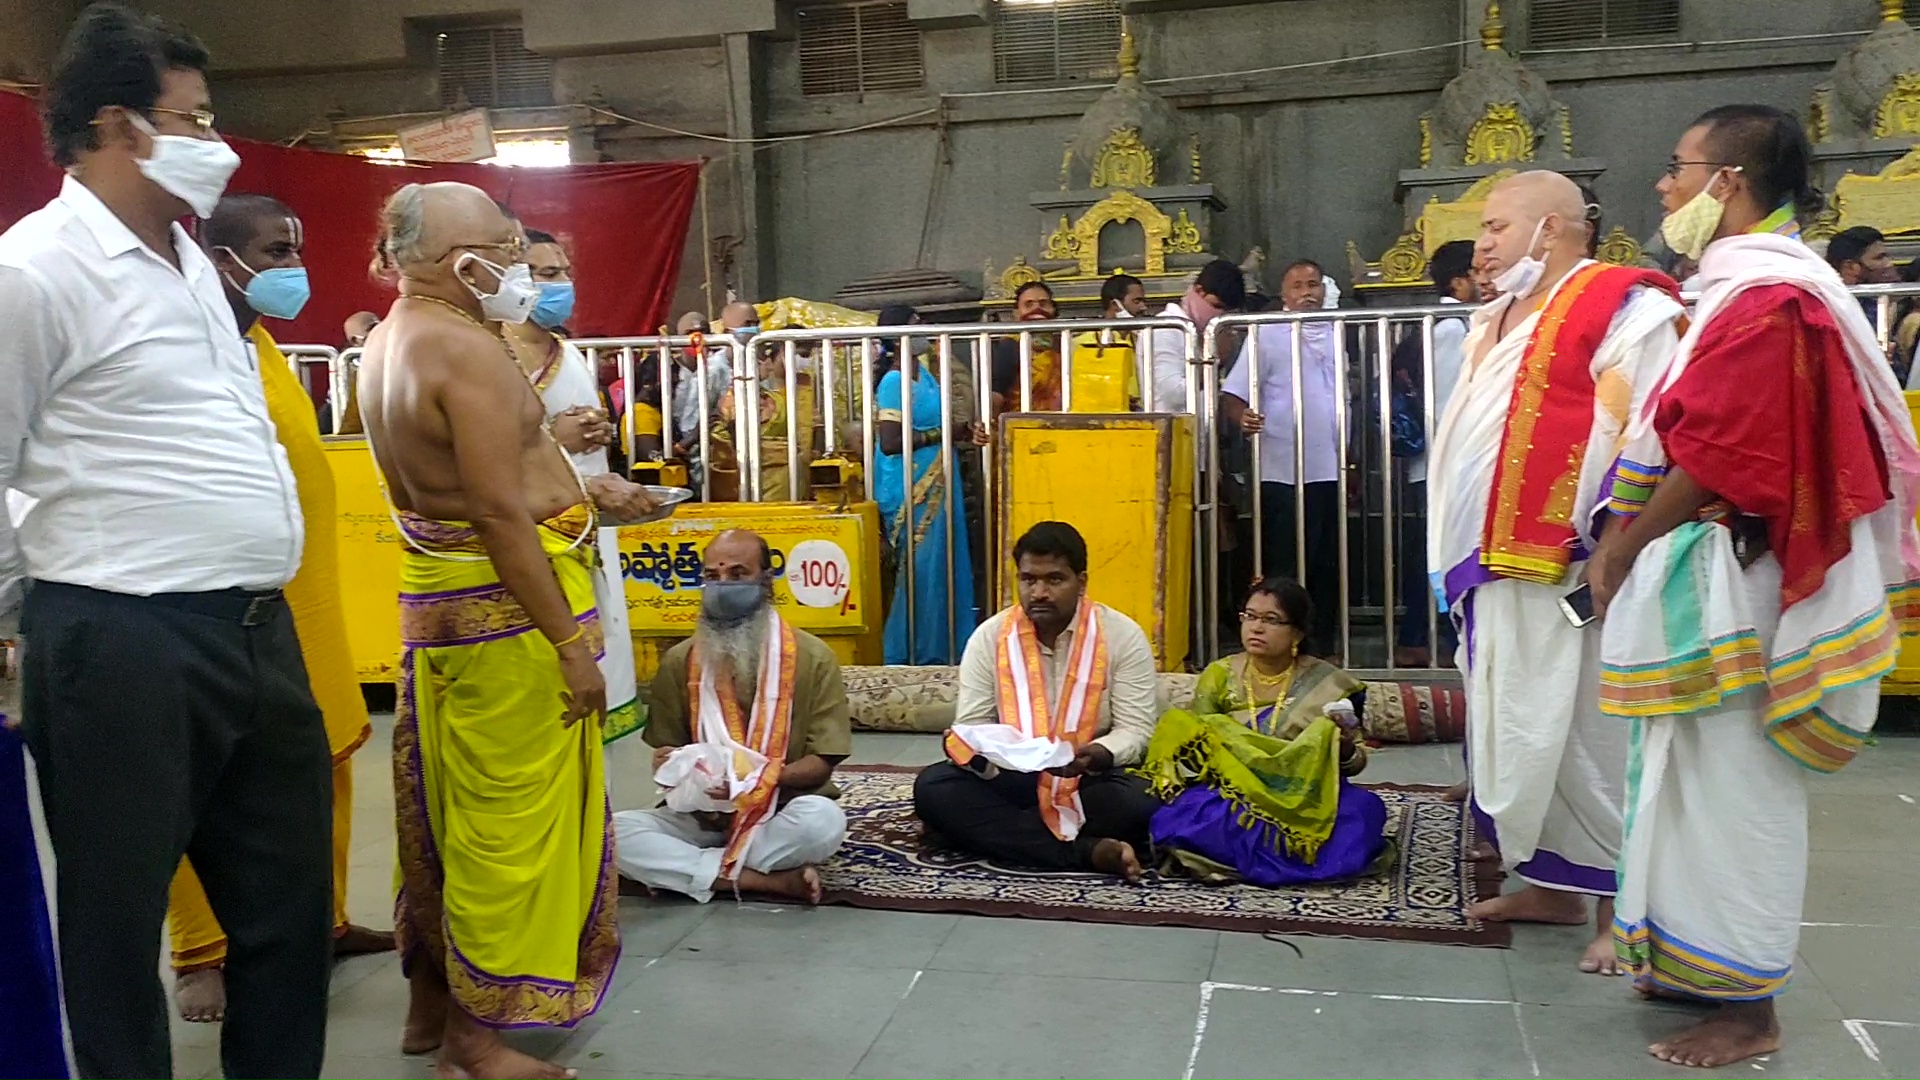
(725, 347)
(942, 340)
(301, 357)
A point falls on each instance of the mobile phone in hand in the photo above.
(1577, 606)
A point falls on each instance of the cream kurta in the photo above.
(1548, 770)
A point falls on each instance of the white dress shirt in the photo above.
(131, 417)
(1129, 703)
(1168, 363)
(1449, 353)
(1318, 397)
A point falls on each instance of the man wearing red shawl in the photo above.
(1552, 372)
(1756, 577)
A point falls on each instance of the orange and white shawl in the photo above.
(1074, 718)
(756, 745)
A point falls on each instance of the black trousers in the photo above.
(1279, 545)
(182, 725)
(1000, 818)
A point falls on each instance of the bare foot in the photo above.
(201, 996)
(360, 941)
(1735, 1032)
(1533, 904)
(803, 884)
(1601, 958)
(472, 1052)
(1457, 793)
(630, 887)
(426, 1013)
(1649, 991)
(1481, 851)
(1117, 857)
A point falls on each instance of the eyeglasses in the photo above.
(199, 118)
(1672, 168)
(513, 248)
(1264, 619)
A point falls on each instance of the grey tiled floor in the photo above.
(751, 990)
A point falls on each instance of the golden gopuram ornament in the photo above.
(1117, 208)
(1864, 121)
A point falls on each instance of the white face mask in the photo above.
(195, 171)
(1520, 279)
(513, 301)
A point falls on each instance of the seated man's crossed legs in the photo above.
(682, 852)
(1000, 819)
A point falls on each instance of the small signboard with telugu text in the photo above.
(466, 136)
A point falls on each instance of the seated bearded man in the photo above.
(749, 717)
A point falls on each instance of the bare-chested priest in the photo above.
(1523, 455)
(506, 916)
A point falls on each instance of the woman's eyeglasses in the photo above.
(1264, 619)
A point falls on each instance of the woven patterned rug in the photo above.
(887, 863)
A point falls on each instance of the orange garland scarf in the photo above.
(1074, 719)
(767, 733)
(1529, 533)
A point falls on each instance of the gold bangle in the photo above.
(577, 635)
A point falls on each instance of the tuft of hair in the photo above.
(236, 220)
(1773, 153)
(403, 228)
(895, 315)
(1849, 245)
(1224, 280)
(113, 56)
(1451, 261)
(536, 236)
(1053, 539)
(1116, 288)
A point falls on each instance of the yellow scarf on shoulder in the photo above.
(314, 593)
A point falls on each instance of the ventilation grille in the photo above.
(859, 48)
(1055, 41)
(491, 67)
(1560, 24)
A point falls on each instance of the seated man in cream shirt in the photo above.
(1058, 666)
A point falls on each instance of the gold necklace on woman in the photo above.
(1280, 685)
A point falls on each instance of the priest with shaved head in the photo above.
(506, 911)
(1526, 451)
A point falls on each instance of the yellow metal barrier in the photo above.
(1126, 482)
(826, 569)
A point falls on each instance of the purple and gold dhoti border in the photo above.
(506, 868)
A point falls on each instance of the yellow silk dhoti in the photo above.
(313, 596)
(507, 877)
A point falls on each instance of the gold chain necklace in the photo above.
(1280, 684)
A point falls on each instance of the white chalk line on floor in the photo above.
(1855, 1028)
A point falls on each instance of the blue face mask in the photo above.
(730, 603)
(555, 306)
(279, 292)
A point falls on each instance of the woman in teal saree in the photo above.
(1255, 774)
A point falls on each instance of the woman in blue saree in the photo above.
(943, 606)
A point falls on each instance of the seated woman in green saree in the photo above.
(1255, 774)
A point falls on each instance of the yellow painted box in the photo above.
(1125, 481)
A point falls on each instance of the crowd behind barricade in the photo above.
(1677, 551)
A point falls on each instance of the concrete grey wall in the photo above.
(1306, 159)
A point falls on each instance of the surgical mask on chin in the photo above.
(1520, 279)
(730, 603)
(555, 306)
(513, 301)
(1690, 229)
(195, 171)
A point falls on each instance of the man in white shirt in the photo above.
(166, 702)
(1218, 289)
(1452, 271)
(1097, 692)
(1301, 289)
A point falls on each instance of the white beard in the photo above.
(734, 650)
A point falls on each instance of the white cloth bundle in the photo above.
(691, 773)
(1009, 748)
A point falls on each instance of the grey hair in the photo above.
(403, 230)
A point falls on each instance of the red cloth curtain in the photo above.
(625, 226)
